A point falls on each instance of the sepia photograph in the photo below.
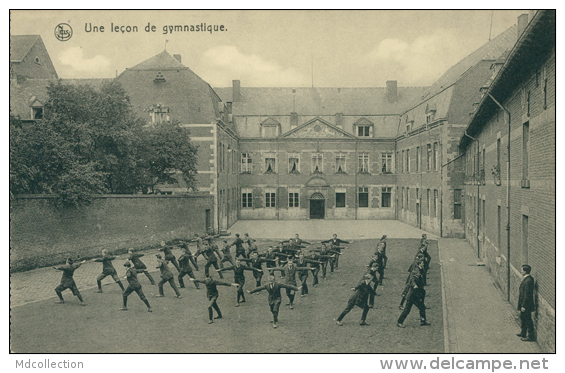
(283, 182)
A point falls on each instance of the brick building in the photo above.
(509, 191)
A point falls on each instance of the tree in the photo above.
(164, 149)
(90, 142)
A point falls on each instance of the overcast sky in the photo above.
(272, 48)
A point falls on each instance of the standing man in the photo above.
(427, 259)
(107, 270)
(139, 265)
(319, 262)
(67, 280)
(335, 244)
(526, 305)
(169, 256)
(415, 296)
(227, 257)
(186, 250)
(239, 277)
(325, 251)
(185, 269)
(382, 243)
(166, 276)
(303, 275)
(239, 249)
(373, 271)
(290, 279)
(257, 262)
(209, 251)
(274, 290)
(212, 295)
(134, 285)
(359, 299)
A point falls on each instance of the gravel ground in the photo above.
(180, 325)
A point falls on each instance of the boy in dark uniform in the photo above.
(257, 263)
(107, 270)
(290, 279)
(227, 257)
(139, 265)
(303, 275)
(134, 285)
(239, 249)
(239, 277)
(359, 299)
(373, 271)
(274, 290)
(166, 276)
(325, 250)
(169, 256)
(415, 297)
(212, 295)
(211, 253)
(185, 269)
(186, 250)
(319, 261)
(67, 280)
(335, 244)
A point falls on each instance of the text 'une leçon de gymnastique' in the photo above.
(166, 29)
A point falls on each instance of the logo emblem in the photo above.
(63, 32)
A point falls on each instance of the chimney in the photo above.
(177, 57)
(236, 90)
(391, 90)
(339, 120)
(522, 24)
(293, 120)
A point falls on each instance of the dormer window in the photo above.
(159, 78)
(364, 128)
(37, 112)
(430, 113)
(270, 128)
(37, 61)
(408, 123)
(159, 114)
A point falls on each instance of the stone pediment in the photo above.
(317, 181)
(318, 128)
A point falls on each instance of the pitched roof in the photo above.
(489, 51)
(161, 61)
(20, 46)
(318, 100)
(22, 95)
(189, 98)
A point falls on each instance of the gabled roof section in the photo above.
(20, 45)
(363, 122)
(270, 122)
(318, 128)
(162, 61)
(490, 51)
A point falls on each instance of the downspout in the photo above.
(478, 193)
(507, 120)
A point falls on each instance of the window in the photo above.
(292, 199)
(402, 162)
(386, 197)
(407, 198)
(317, 163)
(340, 198)
(159, 114)
(435, 203)
(528, 103)
(435, 158)
(364, 131)
(270, 164)
(407, 160)
(499, 230)
(430, 116)
(498, 169)
(363, 162)
(525, 150)
(457, 204)
(293, 164)
(340, 163)
(37, 60)
(418, 159)
(525, 237)
(386, 159)
(544, 85)
(270, 199)
(270, 131)
(246, 163)
(363, 197)
(402, 199)
(428, 200)
(37, 112)
(429, 157)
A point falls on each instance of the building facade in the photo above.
(509, 190)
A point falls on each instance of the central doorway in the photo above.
(317, 208)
